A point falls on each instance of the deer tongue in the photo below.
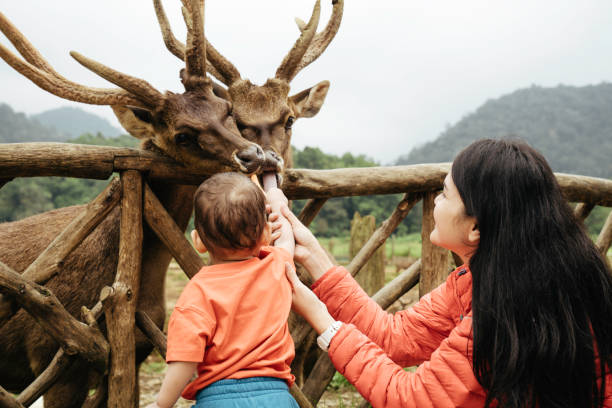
(269, 180)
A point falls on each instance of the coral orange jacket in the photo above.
(436, 333)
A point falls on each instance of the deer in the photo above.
(195, 128)
(266, 113)
(198, 133)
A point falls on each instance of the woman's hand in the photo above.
(308, 251)
(307, 304)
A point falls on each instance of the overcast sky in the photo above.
(400, 70)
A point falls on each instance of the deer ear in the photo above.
(137, 121)
(308, 102)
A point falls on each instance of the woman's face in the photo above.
(453, 230)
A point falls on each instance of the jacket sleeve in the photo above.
(445, 381)
(408, 337)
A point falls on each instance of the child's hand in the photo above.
(307, 304)
(153, 405)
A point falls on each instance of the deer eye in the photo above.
(182, 139)
(289, 122)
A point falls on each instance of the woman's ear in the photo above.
(474, 234)
(197, 242)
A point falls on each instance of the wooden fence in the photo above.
(115, 352)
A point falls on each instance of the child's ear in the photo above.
(197, 242)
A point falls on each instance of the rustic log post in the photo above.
(605, 236)
(170, 234)
(319, 378)
(50, 261)
(582, 210)
(153, 333)
(310, 210)
(73, 336)
(99, 396)
(434, 259)
(120, 316)
(61, 361)
(8, 401)
(401, 284)
(299, 396)
(35, 390)
(371, 277)
(302, 354)
(383, 232)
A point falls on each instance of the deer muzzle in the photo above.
(249, 160)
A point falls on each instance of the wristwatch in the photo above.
(325, 337)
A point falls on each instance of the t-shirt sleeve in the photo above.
(189, 331)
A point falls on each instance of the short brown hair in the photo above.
(230, 212)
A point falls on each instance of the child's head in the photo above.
(230, 213)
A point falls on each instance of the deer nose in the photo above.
(273, 162)
(251, 158)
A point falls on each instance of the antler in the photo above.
(288, 68)
(195, 51)
(38, 70)
(324, 38)
(136, 86)
(307, 48)
(226, 73)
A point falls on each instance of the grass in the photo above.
(398, 246)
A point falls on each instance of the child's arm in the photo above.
(177, 377)
(276, 198)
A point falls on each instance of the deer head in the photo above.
(195, 128)
(265, 113)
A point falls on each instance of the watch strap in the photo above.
(325, 338)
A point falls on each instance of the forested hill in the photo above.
(18, 128)
(571, 126)
(75, 122)
(55, 125)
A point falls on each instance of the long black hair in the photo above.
(542, 293)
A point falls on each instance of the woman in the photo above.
(525, 322)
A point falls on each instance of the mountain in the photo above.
(74, 122)
(16, 127)
(571, 126)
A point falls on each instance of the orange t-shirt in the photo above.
(232, 319)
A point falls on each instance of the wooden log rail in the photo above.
(118, 302)
(99, 162)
